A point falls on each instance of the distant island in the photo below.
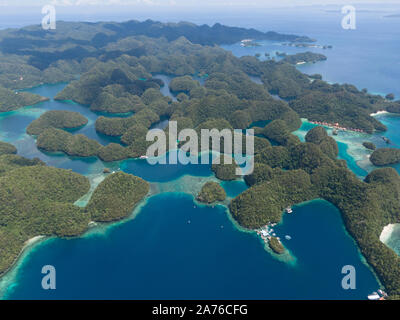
(56, 119)
(276, 245)
(45, 202)
(12, 100)
(304, 57)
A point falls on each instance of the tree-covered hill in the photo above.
(12, 100)
(37, 200)
(56, 119)
(116, 196)
(303, 172)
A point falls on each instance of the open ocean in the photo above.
(174, 248)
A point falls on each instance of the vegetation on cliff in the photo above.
(113, 152)
(53, 140)
(56, 119)
(369, 145)
(276, 245)
(328, 145)
(57, 140)
(304, 57)
(211, 192)
(7, 148)
(183, 84)
(225, 169)
(385, 156)
(12, 100)
(37, 200)
(116, 196)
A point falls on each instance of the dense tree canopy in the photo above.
(7, 148)
(385, 156)
(116, 196)
(211, 192)
(56, 119)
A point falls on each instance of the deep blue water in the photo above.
(159, 254)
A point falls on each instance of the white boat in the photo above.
(288, 237)
(373, 296)
(143, 157)
(289, 210)
(382, 293)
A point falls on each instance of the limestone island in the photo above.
(385, 156)
(369, 145)
(275, 245)
(11, 100)
(211, 192)
(56, 119)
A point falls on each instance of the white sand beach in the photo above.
(378, 113)
(32, 241)
(386, 233)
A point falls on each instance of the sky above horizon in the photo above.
(188, 3)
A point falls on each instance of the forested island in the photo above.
(37, 200)
(56, 119)
(369, 145)
(276, 246)
(385, 156)
(117, 64)
(211, 192)
(304, 57)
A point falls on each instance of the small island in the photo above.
(369, 145)
(7, 148)
(211, 192)
(276, 246)
(56, 119)
(57, 140)
(44, 194)
(183, 84)
(327, 144)
(224, 170)
(113, 152)
(385, 156)
(79, 145)
(304, 57)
